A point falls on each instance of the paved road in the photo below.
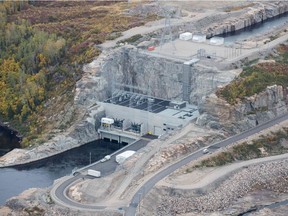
(131, 210)
(59, 191)
(109, 166)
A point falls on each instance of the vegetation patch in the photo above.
(43, 45)
(255, 79)
(264, 146)
(34, 211)
(239, 7)
(131, 40)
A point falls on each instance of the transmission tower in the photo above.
(167, 27)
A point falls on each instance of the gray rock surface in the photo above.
(246, 114)
(239, 19)
(271, 177)
(159, 77)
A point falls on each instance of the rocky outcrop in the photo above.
(93, 85)
(250, 16)
(270, 177)
(235, 19)
(217, 113)
(79, 134)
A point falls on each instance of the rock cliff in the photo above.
(233, 19)
(217, 113)
(157, 76)
(249, 16)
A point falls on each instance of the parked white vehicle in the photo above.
(205, 151)
(106, 158)
(120, 158)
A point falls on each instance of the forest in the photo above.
(43, 46)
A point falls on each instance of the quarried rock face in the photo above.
(161, 77)
(248, 17)
(246, 114)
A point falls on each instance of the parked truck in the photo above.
(120, 158)
(94, 173)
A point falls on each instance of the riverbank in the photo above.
(43, 173)
(82, 132)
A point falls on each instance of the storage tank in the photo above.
(120, 158)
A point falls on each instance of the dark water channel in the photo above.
(257, 29)
(42, 174)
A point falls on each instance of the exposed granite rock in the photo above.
(93, 85)
(244, 115)
(234, 21)
(161, 77)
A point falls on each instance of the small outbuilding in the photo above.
(185, 36)
(107, 122)
(217, 41)
(199, 38)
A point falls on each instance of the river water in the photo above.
(42, 174)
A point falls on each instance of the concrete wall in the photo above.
(151, 121)
(116, 136)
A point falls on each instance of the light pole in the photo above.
(90, 157)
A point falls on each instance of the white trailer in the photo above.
(94, 173)
(120, 158)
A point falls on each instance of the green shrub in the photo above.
(254, 80)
